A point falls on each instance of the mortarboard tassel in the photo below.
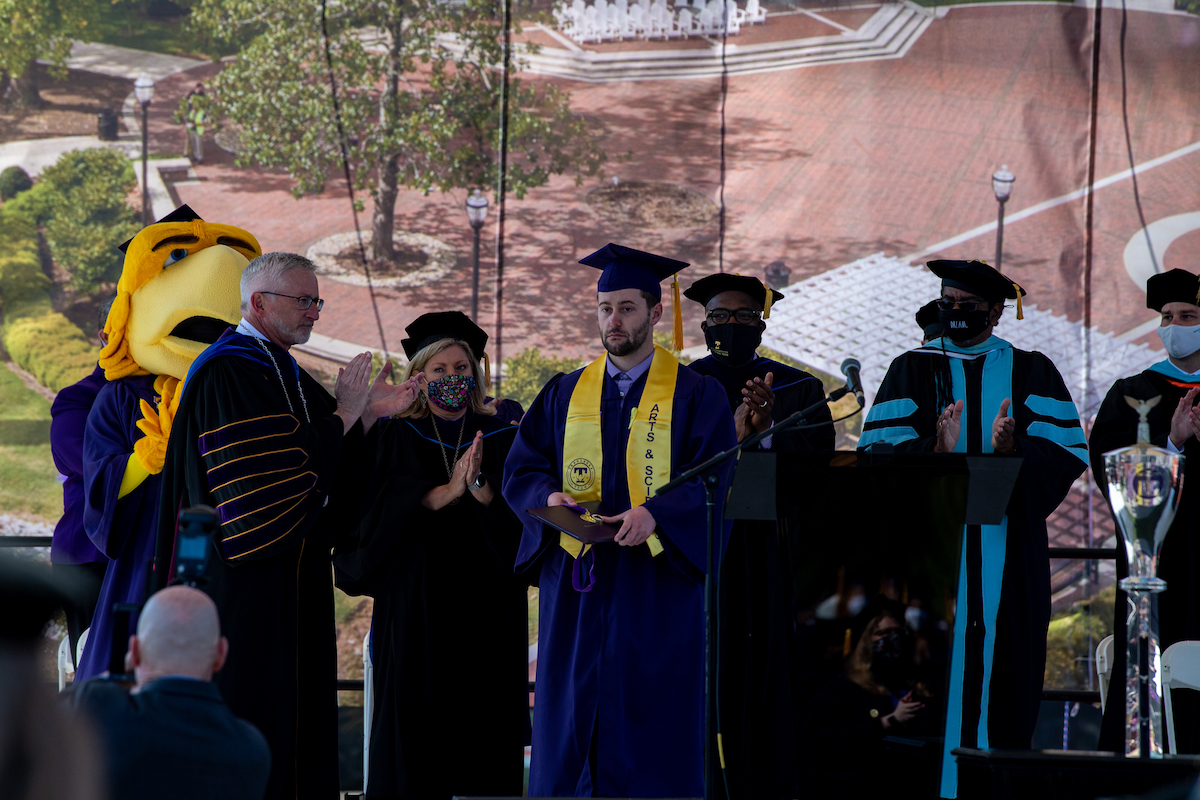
(487, 371)
(678, 315)
(846, 643)
(1020, 312)
(767, 302)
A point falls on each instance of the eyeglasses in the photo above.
(745, 316)
(302, 303)
(965, 305)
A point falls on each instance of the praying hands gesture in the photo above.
(462, 481)
(353, 386)
(1185, 422)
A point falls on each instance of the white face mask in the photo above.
(1180, 340)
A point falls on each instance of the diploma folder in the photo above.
(570, 522)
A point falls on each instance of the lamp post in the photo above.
(477, 207)
(1002, 183)
(143, 90)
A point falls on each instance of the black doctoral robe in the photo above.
(449, 635)
(258, 441)
(1179, 606)
(1003, 607)
(757, 712)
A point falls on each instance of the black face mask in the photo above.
(888, 654)
(732, 344)
(962, 326)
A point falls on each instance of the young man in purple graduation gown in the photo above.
(621, 655)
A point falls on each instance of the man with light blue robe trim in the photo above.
(1166, 394)
(972, 392)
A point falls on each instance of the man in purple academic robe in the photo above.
(72, 555)
(620, 674)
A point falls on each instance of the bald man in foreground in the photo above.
(172, 735)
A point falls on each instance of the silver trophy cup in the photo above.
(1144, 483)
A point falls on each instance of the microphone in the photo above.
(850, 368)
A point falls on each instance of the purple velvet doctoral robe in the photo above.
(122, 529)
(620, 676)
(68, 418)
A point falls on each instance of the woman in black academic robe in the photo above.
(449, 638)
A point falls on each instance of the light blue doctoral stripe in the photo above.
(892, 409)
(1049, 407)
(994, 545)
(894, 435)
(954, 697)
(997, 386)
(1165, 367)
(1070, 439)
(958, 390)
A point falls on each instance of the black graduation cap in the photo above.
(1173, 286)
(625, 268)
(978, 278)
(182, 214)
(429, 328)
(928, 322)
(31, 595)
(708, 287)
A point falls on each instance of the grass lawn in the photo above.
(126, 27)
(29, 482)
(18, 401)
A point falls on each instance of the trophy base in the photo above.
(1151, 585)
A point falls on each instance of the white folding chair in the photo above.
(81, 645)
(64, 662)
(1104, 665)
(1180, 670)
(368, 705)
(755, 13)
(683, 24)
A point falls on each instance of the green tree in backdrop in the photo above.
(86, 215)
(419, 88)
(39, 29)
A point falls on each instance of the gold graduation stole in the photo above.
(648, 454)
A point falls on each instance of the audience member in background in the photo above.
(45, 754)
(878, 695)
(172, 735)
(73, 556)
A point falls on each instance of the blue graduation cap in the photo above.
(625, 268)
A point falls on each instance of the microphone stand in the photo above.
(707, 472)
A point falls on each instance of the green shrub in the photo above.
(24, 287)
(50, 348)
(13, 181)
(89, 217)
(32, 206)
(42, 342)
(527, 373)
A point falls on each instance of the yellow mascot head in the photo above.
(180, 288)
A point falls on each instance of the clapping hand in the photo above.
(949, 425)
(1004, 429)
(384, 399)
(1185, 422)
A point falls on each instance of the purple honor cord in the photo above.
(577, 572)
